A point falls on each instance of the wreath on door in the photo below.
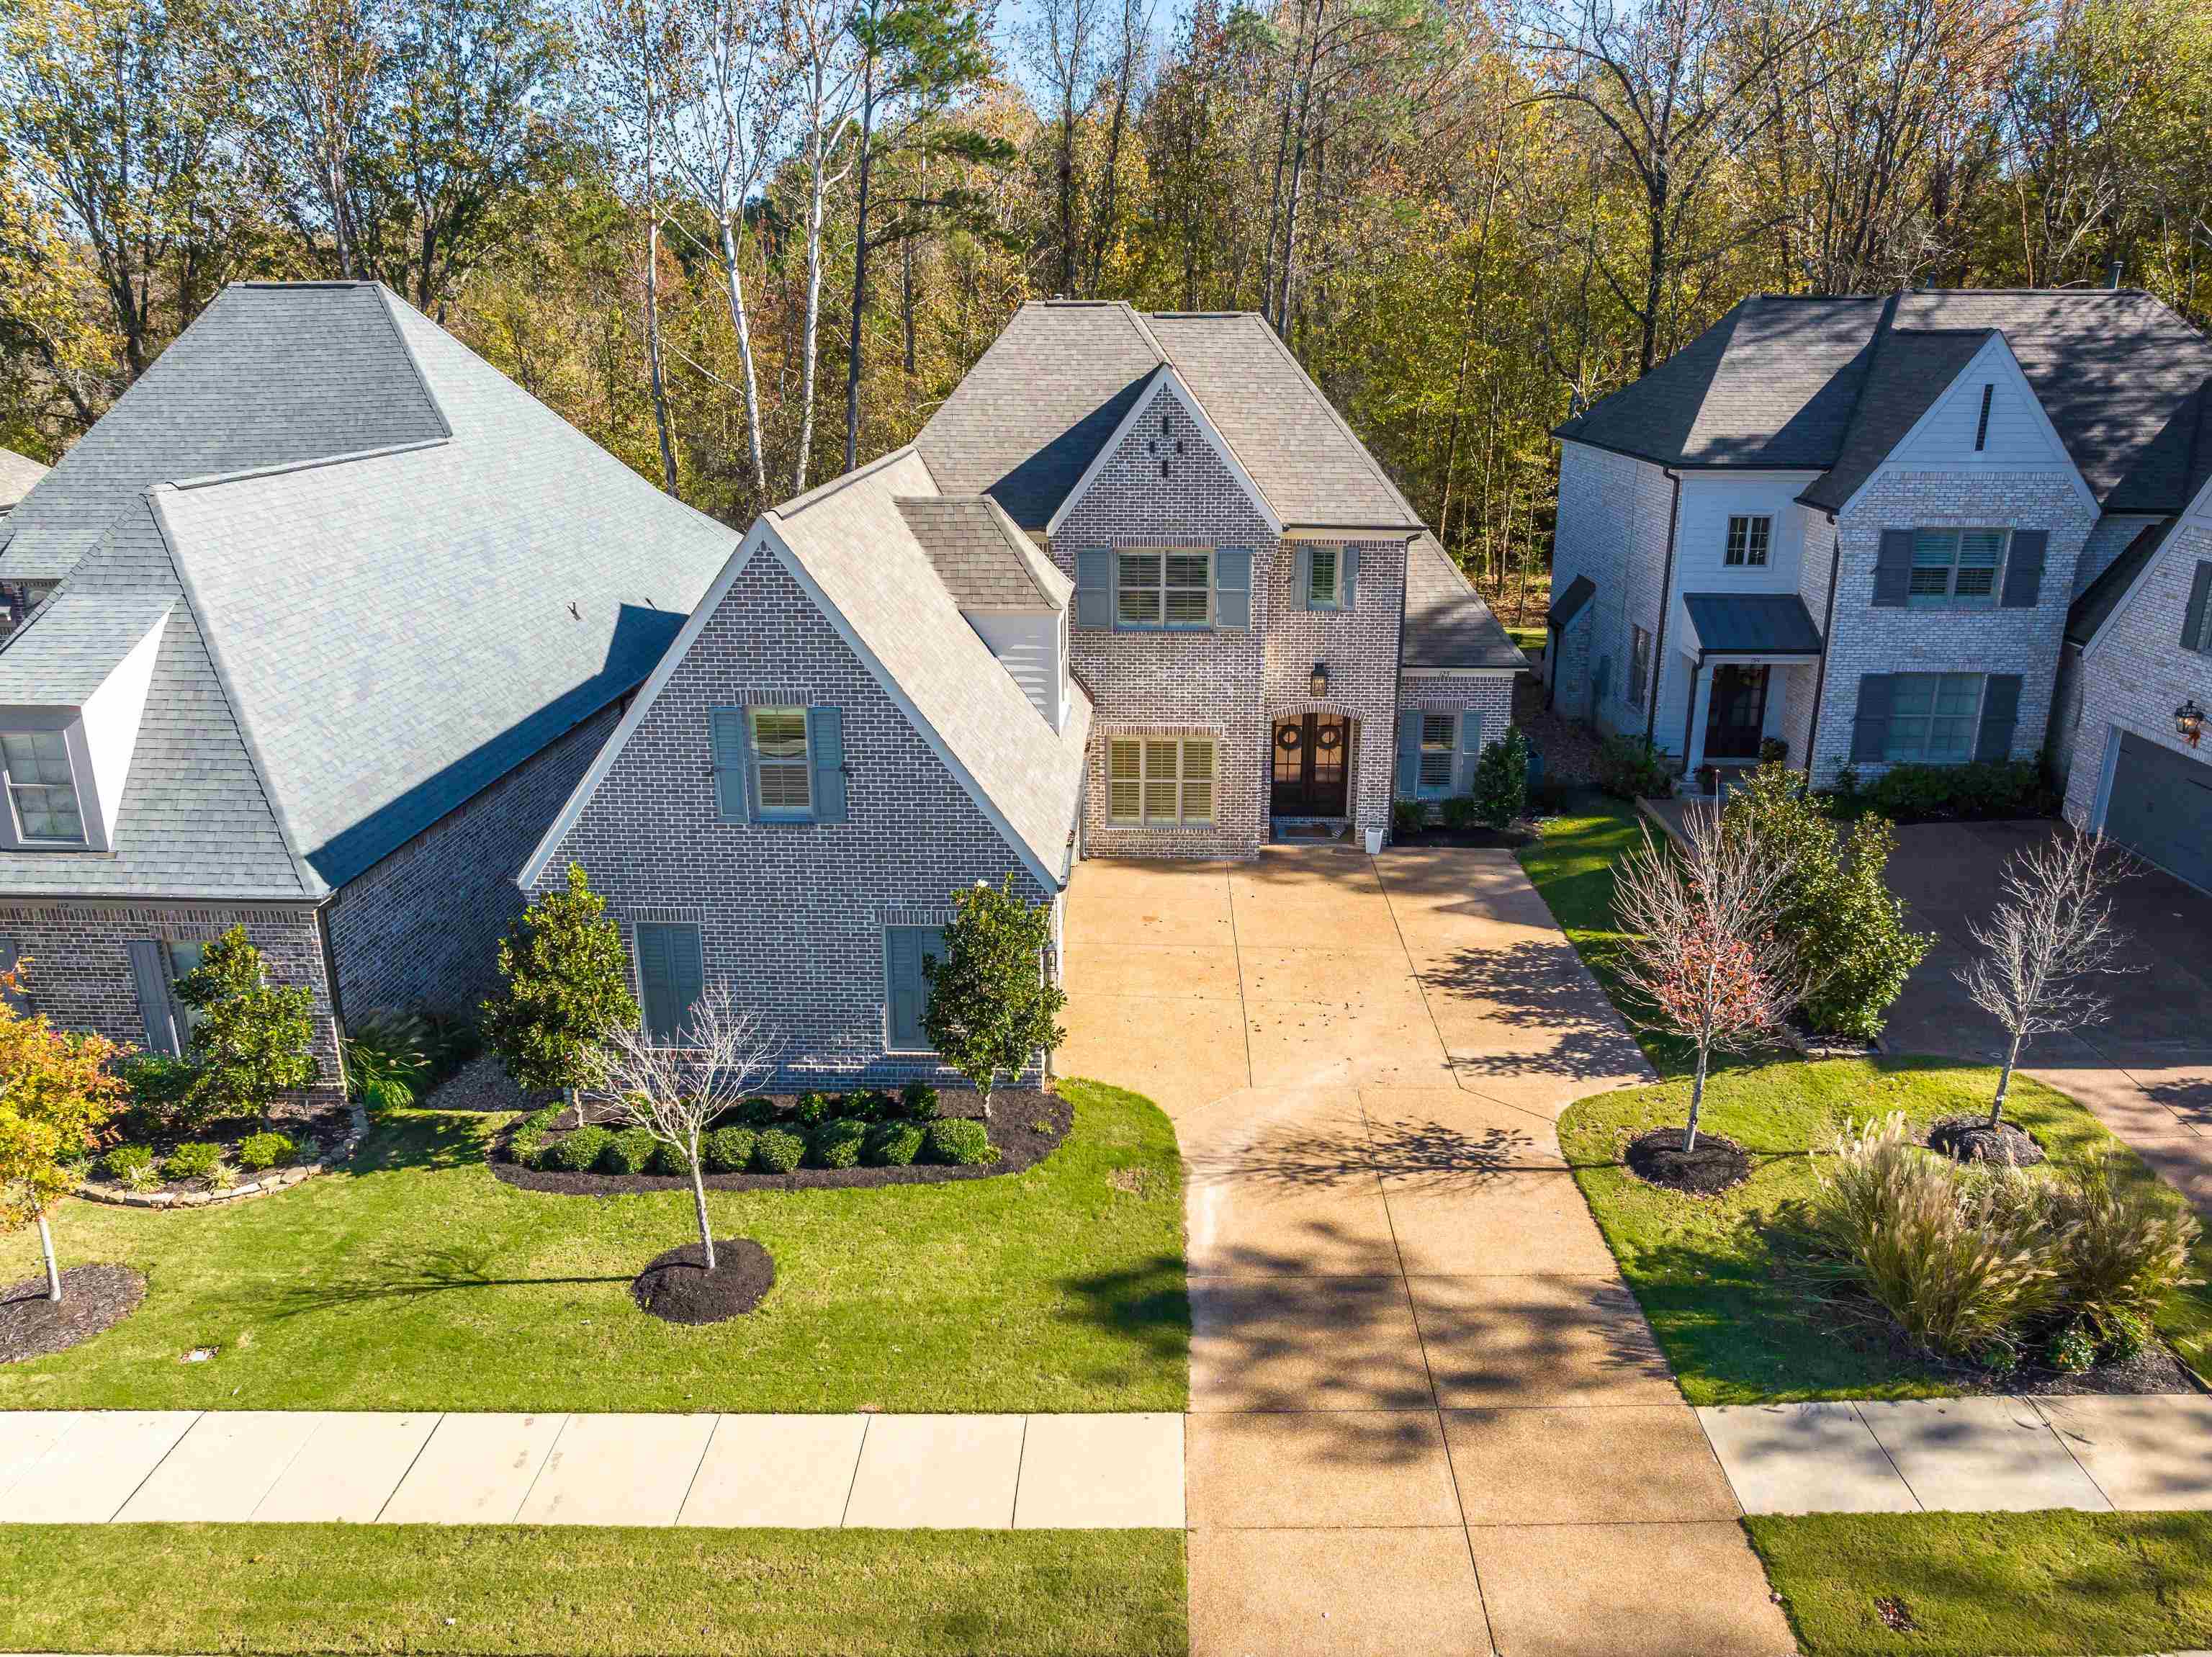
(1288, 737)
(1330, 736)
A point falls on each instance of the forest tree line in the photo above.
(656, 215)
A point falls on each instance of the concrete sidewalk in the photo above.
(983, 1472)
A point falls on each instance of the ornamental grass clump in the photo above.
(2123, 1247)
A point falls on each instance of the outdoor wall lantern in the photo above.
(1318, 682)
(2189, 720)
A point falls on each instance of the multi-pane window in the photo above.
(1324, 577)
(41, 788)
(1932, 717)
(185, 957)
(1160, 780)
(1748, 539)
(1440, 744)
(781, 775)
(1956, 566)
(1169, 589)
(1639, 665)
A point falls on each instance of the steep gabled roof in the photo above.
(19, 475)
(1910, 370)
(1447, 622)
(981, 556)
(2102, 596)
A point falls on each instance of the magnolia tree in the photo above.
(991, 1007)
(675, 1091)
(1704, 956)
(566, 991)
(250, 1038)
(57, 1092)
(2051, 929)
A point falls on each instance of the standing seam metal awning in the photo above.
(1752, 624)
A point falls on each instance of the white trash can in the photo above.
(1375, 843)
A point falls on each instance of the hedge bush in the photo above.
(920, 1101)
(1499, 793)
(579, 1153)
(1986, 788)
(1458, 814)
(892, 1144)
(837, 1143)
(816, 1108)
(528, 1139)
(777, 1150)
(130, 1165)
(961, 1142)
(161, 1096)
(629, 1151)
(1630, 768)
(669, 1159)
(727, 1150)
(259, 1152)
(198, 1160)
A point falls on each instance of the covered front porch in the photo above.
(1751, 661)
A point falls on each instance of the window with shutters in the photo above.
(1956, 566)
(1160, 782)
(1164, 589)
(1748, 541)
(1933, 718)
(782, 772)
(1439, 742)
(41, 789)
(906, 984)
(1325, 577)
(669, 976)
(182, 958)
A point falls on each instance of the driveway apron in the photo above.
(1427, 1416)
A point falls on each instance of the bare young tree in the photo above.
(674, 1091)
(1704, 955)
(2051, 929)
(824, 63)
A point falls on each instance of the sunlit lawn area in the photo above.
(415, 1280)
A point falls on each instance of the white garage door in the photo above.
(2162, 807)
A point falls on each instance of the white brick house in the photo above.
(1867, 526)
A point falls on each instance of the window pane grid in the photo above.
(1160, 781)
(780, 759)
(1932, 717)
(43, 789)
(1956, 566)
(1321, 583)
(1747, 539)
(1440, 736)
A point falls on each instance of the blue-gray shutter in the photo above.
(1409, 753)
(1348, 564)
(1302, 576)
(2023, 580)
(1893, 570)
(2192, 622)
(904, 949)
(1232, 588)
(825, 741)
(2000, 712)
(726, 729)
(1870, 729)
(149, 973)
(1470, 749)
(1094, 587)
(656, 988)
(686, 971)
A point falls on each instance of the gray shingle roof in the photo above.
(1753, 623)
(74, 642)
(269, 374)
(1447, 622)
(1031, 415)
(375, 638)
(1570, 603)
(1910, 369)
(19, 475)
(981, 555)
(1775, 381)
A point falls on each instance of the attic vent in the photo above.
(1981, 425)
(1165, 429)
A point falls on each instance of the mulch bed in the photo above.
(326, 1128)
(1011, 1128)
(1437, 835)
(678, 1288)
(1717, 1164)
(1971, 1139)
(94, 1298)
(1866, 1327)
(482, 1084)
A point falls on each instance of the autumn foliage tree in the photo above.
(57, 1093)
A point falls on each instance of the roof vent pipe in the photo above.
(2113, 274)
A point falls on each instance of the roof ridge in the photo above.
(1144, 328)
(216, 479)
(1329, 410)
(386, 300)
(813, 497)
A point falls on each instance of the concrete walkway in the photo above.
(1427, 1415)
(992, 1472)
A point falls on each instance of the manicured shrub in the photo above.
(629, 1151)
(1630, 768)
(1984, 788)
(129, 1166)
(670, 1160)
(727, 1150)
(577, 1152)
(2121, 1248)
(196, 1160)
(260, 1151)
(837, 1143)
(961, 1142)
(875, 1105)
(892, 1144)
(759, 1111)
(816, 1108)
(1501, 780)
(919, 1100)
(162, 1098)
(777, 1150)
(1408, 817)
(1774, 751)
(1459, 813)
(527, 1141)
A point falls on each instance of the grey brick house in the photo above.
(1867, 526)
(1136, 590)
(328, 617)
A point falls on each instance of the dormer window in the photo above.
(42, 789)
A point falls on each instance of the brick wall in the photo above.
(421, 927)
(1613, 522)
(1866, 640)
(791, 915)
(80, 977)
(1491, 698)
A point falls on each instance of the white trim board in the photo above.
(1165, 382)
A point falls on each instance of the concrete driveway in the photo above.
(1427, 1416)
(2148, 1071)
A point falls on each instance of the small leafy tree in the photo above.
(1501, 780)
(566, 991)
(990, 1006)
(2052, 929)
(250, 1038)
(1704, 958)
(674, 1093)
(57, 1093)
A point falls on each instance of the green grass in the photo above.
(427, 1589)
(415, 1280)
(1530, 639)
(1979, 1584)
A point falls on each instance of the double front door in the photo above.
(1309, 768)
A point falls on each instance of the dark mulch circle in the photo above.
(1971, 1139)
(1716, 1163)
(94, 1298)
(1013, 1127)
(678, 1288)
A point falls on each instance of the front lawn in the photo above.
(1975, 1584)
(415, 1280)
(579, 1592)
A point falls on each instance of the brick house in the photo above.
(1136, 590)
(1894, 529)
(327, 618)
